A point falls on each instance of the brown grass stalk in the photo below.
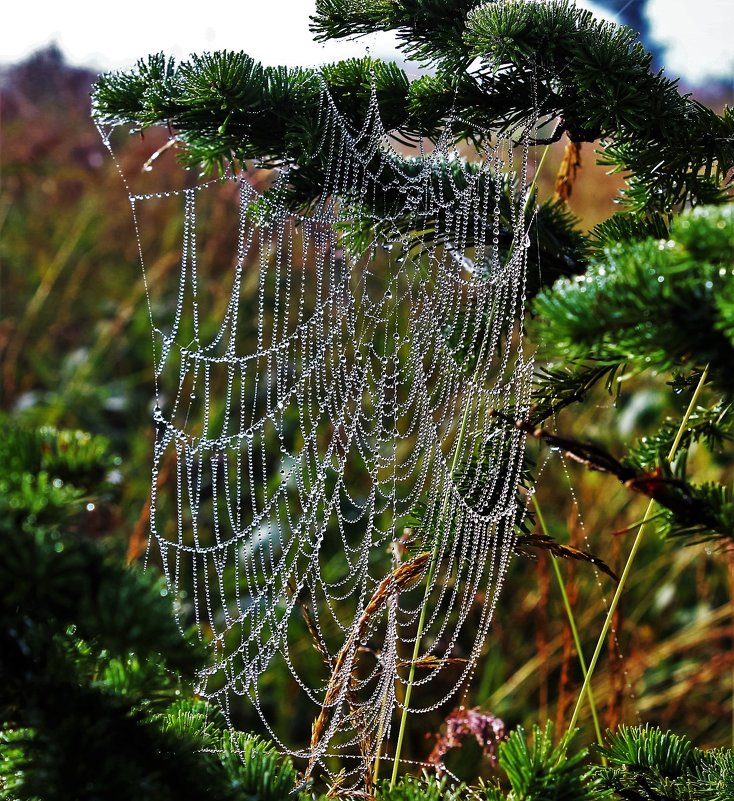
(399, 579)
(137, 543)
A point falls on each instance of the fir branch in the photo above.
(544, 769)
(695, 512)
(91, 657)
(555, 388)
(718, 525)
(427, 31)
(226, 106)
(714, 426)
(665, 304)
(646, 763)
(628, 228)
(558, 248)
(595, 78)
(420, 788)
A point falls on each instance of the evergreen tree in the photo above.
(648, 290)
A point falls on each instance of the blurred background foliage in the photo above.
(75, 352)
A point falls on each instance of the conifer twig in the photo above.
(671, 493)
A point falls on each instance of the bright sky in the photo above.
(115, 35)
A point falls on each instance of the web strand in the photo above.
(337, 421)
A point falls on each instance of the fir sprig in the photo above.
(646, 764)
(427, 31)
(714, 426)
(92, 697)
(595, 78)
(666, 304)
(544, 769)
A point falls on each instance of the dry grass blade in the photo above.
(340, 792)
(355, 713)
(432, 661)
(335, 789)
(400, 579)
(546, 543)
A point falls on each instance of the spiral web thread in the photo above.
(352, 433)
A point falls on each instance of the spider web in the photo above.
(336, 473)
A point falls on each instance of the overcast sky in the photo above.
(114, 35)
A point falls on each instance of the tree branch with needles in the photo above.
(686, 503)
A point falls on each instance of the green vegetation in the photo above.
(634, 328)
(92, 701)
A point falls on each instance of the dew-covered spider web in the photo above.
(330, 484)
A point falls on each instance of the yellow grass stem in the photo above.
(630, 559)
(534, 183)
(571, 622)
(424, 609)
